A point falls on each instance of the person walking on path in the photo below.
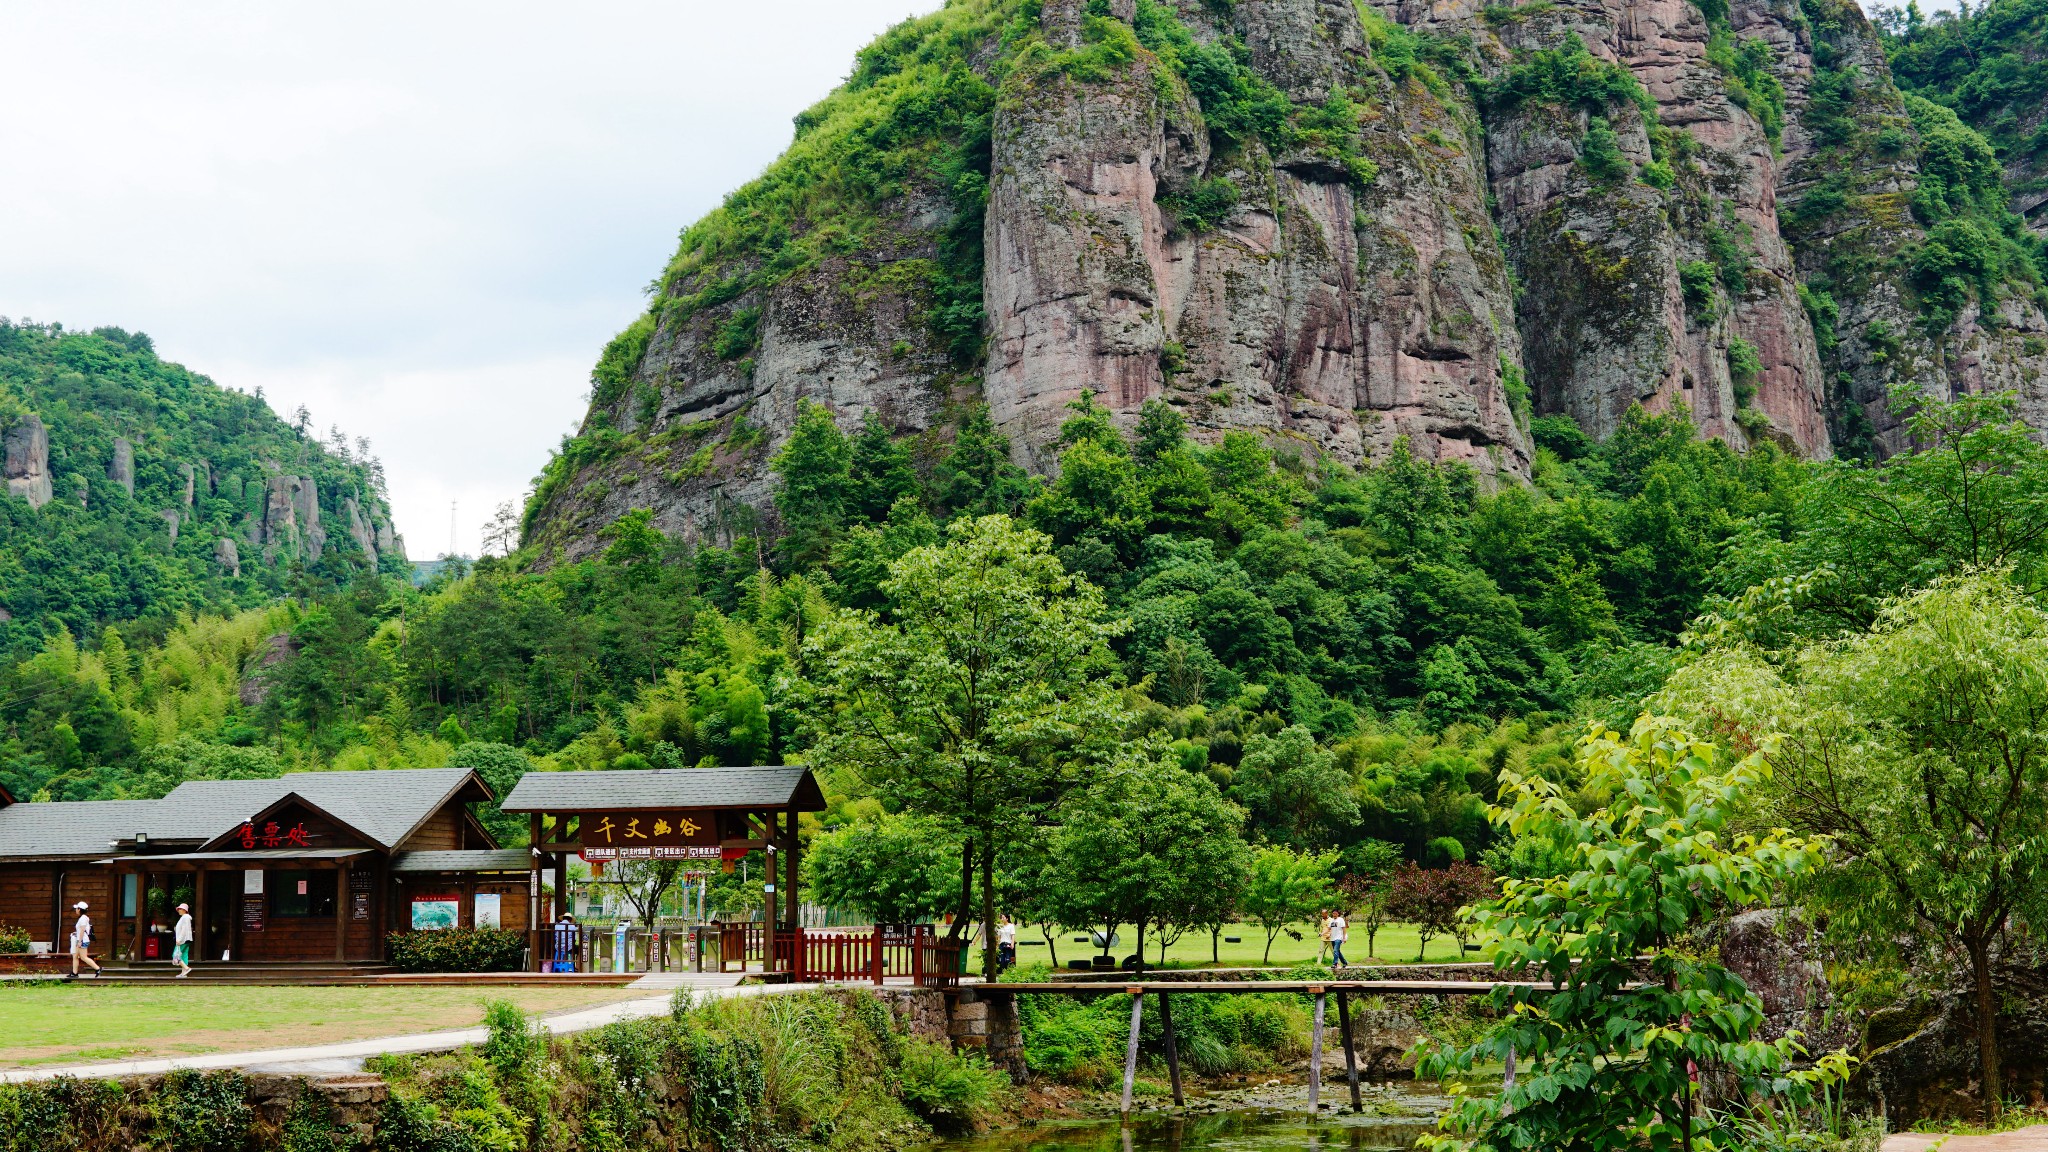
(1337, 929)
(81, 942)
(1322, 936)
(182, 953)
(1006, 945)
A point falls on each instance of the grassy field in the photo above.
(77, 1023)
(1395, 944)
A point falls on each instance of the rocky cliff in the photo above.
(1339, 225)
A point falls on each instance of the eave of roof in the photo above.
(754, 787)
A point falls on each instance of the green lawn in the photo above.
(64, 1023)
(1395, 944)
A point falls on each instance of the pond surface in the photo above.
(1393, 1117)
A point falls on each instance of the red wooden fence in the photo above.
(873, 955)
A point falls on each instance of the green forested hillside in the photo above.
(1349, 655)
(80, 551)
(1990, 65)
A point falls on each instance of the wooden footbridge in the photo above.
(1164, 990)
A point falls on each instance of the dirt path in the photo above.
(2034, 1139)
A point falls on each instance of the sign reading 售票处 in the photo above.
(682, 835)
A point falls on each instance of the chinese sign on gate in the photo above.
(684, 835)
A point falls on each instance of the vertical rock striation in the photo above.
(28, 461)
(1426, 221)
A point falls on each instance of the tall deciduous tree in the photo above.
(1605, 1057)
(986, 694)
(1153, 845)
(1921, 746)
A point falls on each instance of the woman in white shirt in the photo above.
(81, 942)
(183, 936)
(1339, 928)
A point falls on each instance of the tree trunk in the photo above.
(1987, 1025)
(1370, 950)
(1052, 946)
(1216, 945)
(988, 908)
(1140, 970)
(966, 911)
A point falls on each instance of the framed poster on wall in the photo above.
(487, 906)
(434, 913)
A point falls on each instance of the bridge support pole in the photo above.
(1315, 1057)
(1350, 1049)
(1131, 1050)
(1172, 1049)
(1507, 1081)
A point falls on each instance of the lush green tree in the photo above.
(1150, 845)
(1919, 747)
(1286, 887)
(1365, 882)
(897, 869)
(987, 693)
(1604, 1059)
(500, 766)
(879, 471)
(1293, 788)
(813, 465)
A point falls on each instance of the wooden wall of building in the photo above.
(28, 899)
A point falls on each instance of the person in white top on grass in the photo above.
(1006, 945)
(1338, 928)
(183, 935)
(81, 942)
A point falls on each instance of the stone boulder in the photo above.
(121, 470)
(1919, 1060)
(228, 556)
(28, 461)
(1773, 951)
(256, 674)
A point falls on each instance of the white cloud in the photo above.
(422, 221)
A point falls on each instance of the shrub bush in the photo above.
(204, 1112)
(456, 950)
(13, 941)
(951, 1091)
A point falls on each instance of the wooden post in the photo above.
(1507, 1083)
(199, 887)
(1172, 1049)
(141, 911)
(1315, 1056)
(792, 910)
(1350, 1049)
(875, 958)
(532, 891)
(341, 911)
(1131, 1049)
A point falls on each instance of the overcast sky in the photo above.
(420, 220)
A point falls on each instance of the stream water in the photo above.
(1243, 1121)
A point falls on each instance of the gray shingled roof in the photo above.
(383, 805)
(760, 786)
(470, 860)
(71, 828)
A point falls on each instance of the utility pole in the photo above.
(451, 527)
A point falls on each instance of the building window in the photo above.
(129, 884)
(308, 894)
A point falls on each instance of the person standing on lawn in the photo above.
(1338, 929)
(81, 941)
(182, 953)
(1006, 945)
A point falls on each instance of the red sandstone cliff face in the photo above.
(1464, 247)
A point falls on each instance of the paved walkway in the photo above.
(334, 1059)
(2034, 1139)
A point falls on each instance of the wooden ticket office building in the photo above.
(308, 867)
(696, 815)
